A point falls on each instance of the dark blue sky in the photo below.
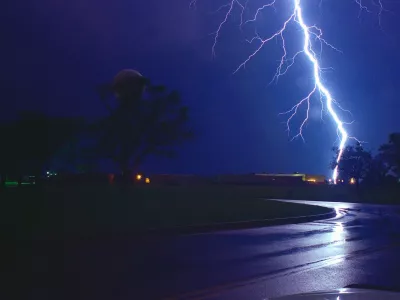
(55, 52)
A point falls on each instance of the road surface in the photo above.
(360, 246)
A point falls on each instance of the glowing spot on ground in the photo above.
(338, 233)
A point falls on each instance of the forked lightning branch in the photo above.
(309, 34)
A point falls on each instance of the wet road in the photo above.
(361, 245)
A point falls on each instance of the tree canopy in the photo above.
(142, 120)
(355, 162)
(30, 142)
(390, 153)
(142, 124)
(362, 165)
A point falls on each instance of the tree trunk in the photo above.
(358, 190)
(38, 179)
(2, 180)
(126, 178)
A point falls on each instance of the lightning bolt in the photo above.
(308, 33)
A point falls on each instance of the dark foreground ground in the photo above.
(87, 210)
(67, 243)
(81, 211)
(361, 247)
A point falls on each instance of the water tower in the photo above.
(128, 84)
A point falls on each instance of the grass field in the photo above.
(91, 210)
(106, 209)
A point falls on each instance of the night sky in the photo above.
(54, 53)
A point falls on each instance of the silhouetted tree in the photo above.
(78, 153)
(141, 124)
(377, 172)
(8, 157)
(354, 163)
(30, 142)
(390, 153)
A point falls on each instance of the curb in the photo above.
(212, 227)
(204, 228)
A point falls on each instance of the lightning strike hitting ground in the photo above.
(307, 32)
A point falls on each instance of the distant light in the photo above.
(311, 180)
(147, 180)
(352, 181)
(47, 172)
(138, 176)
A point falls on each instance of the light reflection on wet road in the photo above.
(359, 246)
